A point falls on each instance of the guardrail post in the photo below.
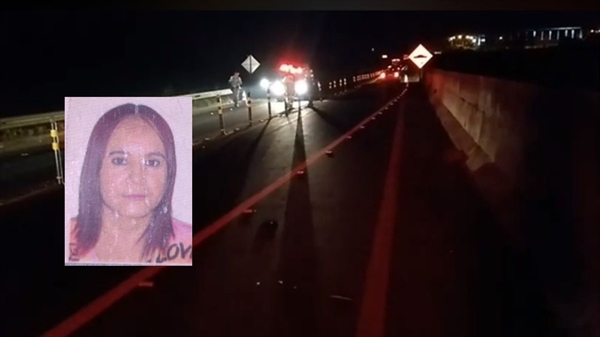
(220, 111)
(56, 148)
(249, 102)
(269, 101)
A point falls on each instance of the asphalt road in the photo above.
(305, 263)
(56, 290)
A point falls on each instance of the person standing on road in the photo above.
(235, 81)
(288, 82)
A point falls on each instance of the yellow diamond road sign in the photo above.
(250, 64)
(420, 56)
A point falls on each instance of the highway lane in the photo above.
(43, 292)
(299, 265)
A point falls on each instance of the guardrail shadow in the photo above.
(232, 160)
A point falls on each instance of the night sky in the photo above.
(49, 55)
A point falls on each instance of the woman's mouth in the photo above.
(135, 196)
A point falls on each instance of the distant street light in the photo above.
(383, 56)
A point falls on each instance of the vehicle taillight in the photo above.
(382, 76)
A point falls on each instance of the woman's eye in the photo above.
(119, 161)
(153, 162)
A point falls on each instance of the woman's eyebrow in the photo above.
(157, 154)
(149, 154)
(116, 152)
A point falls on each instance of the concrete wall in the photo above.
(534, 152)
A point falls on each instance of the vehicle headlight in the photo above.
(277, 88)
(264, 83)
(301, 87)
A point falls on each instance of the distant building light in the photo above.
(483, 39)
(460, 36)
(384, 56)
(501, 38)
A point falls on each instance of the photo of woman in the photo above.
(125, 194)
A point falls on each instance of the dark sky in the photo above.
(48, 55)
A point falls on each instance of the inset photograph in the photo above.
(128, 181)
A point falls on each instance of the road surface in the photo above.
(385, 236)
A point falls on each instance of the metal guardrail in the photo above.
(16, 122)
(209, 94)
(18, 129)
(58, 116)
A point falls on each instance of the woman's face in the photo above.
(134, 169)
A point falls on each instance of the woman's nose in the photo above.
(136, 171)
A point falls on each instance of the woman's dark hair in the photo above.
(89, 219)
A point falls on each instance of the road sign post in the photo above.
(249, 102)
(250, 64)
(269, 100)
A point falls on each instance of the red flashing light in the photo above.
(288, 68)
(284, 67)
